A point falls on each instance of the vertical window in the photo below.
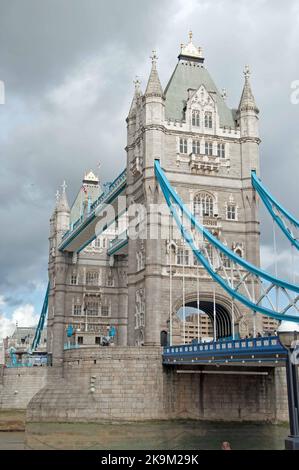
(208, 148)
(195, 118)
(80, 339)
(182, 256)
(92, 278)
(105, 311)
(196, 147)
(97, 242)
(74, 279)
(183, 146)
(238, 252)
(97, 340)
(231, 212)
(221, 150)
(195, 260)
(225, 260)
(209, 253)
(77, 309)
(208, 120)
(92, 308)
(203, 205)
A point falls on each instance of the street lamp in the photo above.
(288, 333)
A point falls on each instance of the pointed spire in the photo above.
(62, 202)
(154, 87)
(247, 101)
(137, 94)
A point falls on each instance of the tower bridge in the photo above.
(188, 152)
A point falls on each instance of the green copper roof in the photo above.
(192, 75)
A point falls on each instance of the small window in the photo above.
(231, 212)
(221, 150)
(105, 311)
(80, 339)
(239, 252)
(196, 147)
(203, 205)
(208, 120)
(183, 146)
(92, 278)
(195, 260)
(92, 308)
(195, 118)
(77, 309)
(74, 279)
(98, 340)
(208, 148)
(110, 282)
(225, 260)
(97, 243)
(182, 256)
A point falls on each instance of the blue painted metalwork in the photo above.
(175, 203)
(118, 243)
(115, 188)
(264, 349)
(41, 321)
(277, 212)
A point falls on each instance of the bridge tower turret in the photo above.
(249, 138)
(58, 263)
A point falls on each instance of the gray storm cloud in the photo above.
(68, 67)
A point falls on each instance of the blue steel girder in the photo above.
(243, 281)
(41, 322)
(100, 217)
(248, 351)
(285, 221)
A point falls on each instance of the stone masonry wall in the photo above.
(227, 396)
(130, 384)
(19, 385)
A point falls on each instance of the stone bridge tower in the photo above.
(207, 151)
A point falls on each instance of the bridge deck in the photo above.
(251, 351)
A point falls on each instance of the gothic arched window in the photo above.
(208, 148)
(208, 120)
(195, 118)
(203, 205)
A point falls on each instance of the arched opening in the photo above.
(163, 338)
(199, 325)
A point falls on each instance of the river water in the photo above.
(166, 435)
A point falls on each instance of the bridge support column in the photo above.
(58, 321)
(292, 441)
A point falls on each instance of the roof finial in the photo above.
(224, 93)
(137, 83)
(64, 186)
(154, 57)
(190, 36)
(246, 72)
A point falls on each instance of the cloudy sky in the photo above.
(68, 67)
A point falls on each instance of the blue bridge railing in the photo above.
(242, 350)
(104, 198)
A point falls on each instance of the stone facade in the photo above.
(19, 385)
(130, 384)
(207, 151)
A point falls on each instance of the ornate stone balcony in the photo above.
(204, 163)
